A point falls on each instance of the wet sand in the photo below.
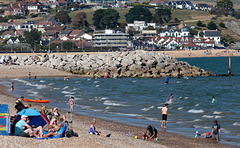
(82, 123)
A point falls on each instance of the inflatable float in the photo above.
(37, 101)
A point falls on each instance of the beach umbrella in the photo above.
(29, 112)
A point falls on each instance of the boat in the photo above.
(37, 101)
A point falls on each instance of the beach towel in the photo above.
(4, 120)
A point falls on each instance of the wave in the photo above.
(50, 84)
(103, 98)
(125, 114)
(205, 127)
(197, 105)
(160, 107)
(179, 81)
(148, 108)
(215, 112)
(152, 119)
(42, 81)
(236, 124)
(19, 80)
(207, 116)
(65, 87)
(68, 92)
(38, 86)
(95, 82)
(197, 120)
(134, 81)
(180, 108)
(218, 117)
(113, 103)
(56, 88)
(195, 111)
(97, 86)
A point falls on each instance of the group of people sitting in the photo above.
(22, 127)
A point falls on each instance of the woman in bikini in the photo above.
(71, 103)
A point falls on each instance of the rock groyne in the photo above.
(116, 64)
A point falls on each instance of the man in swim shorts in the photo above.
(164, 115)
(167, 79)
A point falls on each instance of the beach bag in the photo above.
(69, 133)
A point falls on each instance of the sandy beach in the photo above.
(81, 124)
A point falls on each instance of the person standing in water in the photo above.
(213, 99)
(12, 87)
(164, 115)
(71, 103)
(170, 98)
(167, 80)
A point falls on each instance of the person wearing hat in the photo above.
(22, 124)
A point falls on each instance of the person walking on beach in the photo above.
(71, 103)
(216, 131)
(12, 87)
(164, 115)
(213, 99)
(170, 98)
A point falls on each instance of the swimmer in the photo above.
(213, 99)
(68, 78)
(170, 98)
(167, 80)
(71, 103)
(65, 78)
(12, 87)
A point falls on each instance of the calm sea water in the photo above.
(138, 101)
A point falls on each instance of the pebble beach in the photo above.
(81, 124)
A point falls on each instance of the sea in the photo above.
(138, 101)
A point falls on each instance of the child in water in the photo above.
(213, 99)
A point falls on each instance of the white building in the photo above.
(184, 32)
(140, 25)
(203, 7)
(110, 39)
(182, 5)
(215, 35)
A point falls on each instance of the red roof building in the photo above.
(15, 9)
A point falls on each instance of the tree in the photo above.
(222, 25)
(103, 18)
(80, 20)
(211, 26)
(225, 4)
(131, 31)
(138, 13)
(33, 37)
(110, 18)
(63, 17)
(162, 15)
(200, 24)
(98, 19)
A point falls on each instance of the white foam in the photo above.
(134, 81)
(77, 82)
(197, 105)
(185, 98)
(225, 130)
(152, 119)
(68, 92)
(75, 88)
(236, 124)
(103, 98)
(42, 81)
(179, 81)
(195, 111)
(148, 108)
(51, 84)
(131, 115)
(113, 103)
(88, 79)
(197, 120)
(160, 107)
(19, 80)
(65, 87)
(95, 82)
(36, 85)
(216, 113)
(56, 88)
(218, 117)
(207, 116)
(180, 108)
(97, 86)
(107, 107)
(186, 78)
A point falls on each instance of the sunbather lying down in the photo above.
(52, 128)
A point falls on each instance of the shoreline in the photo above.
(120, 131)
(174, 53)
